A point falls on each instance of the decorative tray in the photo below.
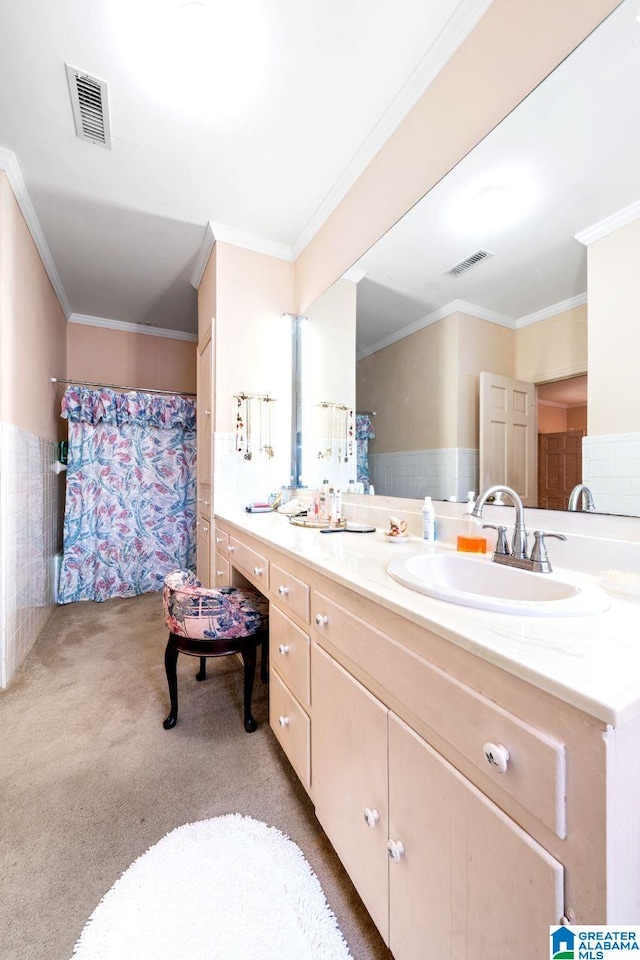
(316, 524)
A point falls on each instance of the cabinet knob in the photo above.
(321, 620)
(496, 756)
(283, 591)
(371, 816)
(199, 499)
(395, 849)
(230, 549)
(205, 528)
(283, 648)
(206, 503)
(207, 413)
(283, 721)
(218, 539)
(218, 573)
(257, 571)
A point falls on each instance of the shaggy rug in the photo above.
(230, 888)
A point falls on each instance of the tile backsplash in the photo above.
(31, 498)
(611, 470)
(440, 474)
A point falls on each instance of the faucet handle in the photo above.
(502, 547)
(539, 551)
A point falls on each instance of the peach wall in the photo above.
(577, 418)
(33, 344)
(552, 418)
(127, 359)
(554, 348)
(424, 388)
(614, 336)
(516, 44)
(253, 340)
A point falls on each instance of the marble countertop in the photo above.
(591, 662)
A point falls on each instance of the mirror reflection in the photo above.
(496, 335)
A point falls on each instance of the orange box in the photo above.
(472, 544)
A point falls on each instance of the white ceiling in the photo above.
(571, 150)
(259, 120)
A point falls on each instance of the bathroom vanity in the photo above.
(477, 772)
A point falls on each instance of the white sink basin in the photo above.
(481, 583)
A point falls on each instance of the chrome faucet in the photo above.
(516, 556)
(519, 542)
(581, 494)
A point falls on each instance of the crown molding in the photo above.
(9, 163)
(355, 274)
(250, 241)
(604, 227)
(437, 56)
(551, 310)
(456, 306)
(203, 255)
(125, 327)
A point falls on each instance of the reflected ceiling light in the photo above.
(492, 206)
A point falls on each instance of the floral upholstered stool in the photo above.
(205, 623)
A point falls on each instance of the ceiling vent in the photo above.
(469, 262)
(90, 107)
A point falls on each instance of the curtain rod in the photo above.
(114, 386)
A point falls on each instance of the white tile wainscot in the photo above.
(405, 691)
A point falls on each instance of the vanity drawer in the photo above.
(250, 562)
(289, 653)
(203, 505)
(535, 774)
(291, 726)
(290, 591)
(222, 572)
(221, 541)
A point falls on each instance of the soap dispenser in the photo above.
(470, 539)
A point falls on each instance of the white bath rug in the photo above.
(230, 888)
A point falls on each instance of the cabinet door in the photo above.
(349, 772)
(205, 422)
(203, 550)
(471, 883)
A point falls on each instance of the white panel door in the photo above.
(508, 435)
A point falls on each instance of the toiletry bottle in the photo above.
(324, 501)
(335, 504)
(428, 520)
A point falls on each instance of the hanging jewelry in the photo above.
(239, 426)
(247, 454)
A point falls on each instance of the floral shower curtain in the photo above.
(130, 505)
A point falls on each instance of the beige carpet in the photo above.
(89, 779)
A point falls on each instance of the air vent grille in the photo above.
(469, 262)
(90, 107)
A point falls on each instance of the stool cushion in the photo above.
(201, 613)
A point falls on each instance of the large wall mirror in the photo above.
(512, 286)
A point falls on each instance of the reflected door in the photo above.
(508, 435)
(559, 468)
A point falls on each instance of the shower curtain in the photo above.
(364, 433)
(130, 504)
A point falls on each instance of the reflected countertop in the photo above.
(590, 662)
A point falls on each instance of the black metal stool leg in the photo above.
(249, 659)
(202, 672)
(170, 663)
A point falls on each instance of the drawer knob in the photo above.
(283, 591)
(207, 413)
(371, 816)
(283, 648)
(206, 503)
(283, 721)
(395, 849)
(218, 573)
(218, 539)
(199, 499)
(230, 549)
(205, 528)
(496, 756)
(257, 571)
(321, 620)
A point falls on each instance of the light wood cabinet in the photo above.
(426, 850)
(386, 722)
(204, 498)
(203, 550)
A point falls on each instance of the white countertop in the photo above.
(591, 662)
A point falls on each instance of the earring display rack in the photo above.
(336, 431)
(254, 424)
